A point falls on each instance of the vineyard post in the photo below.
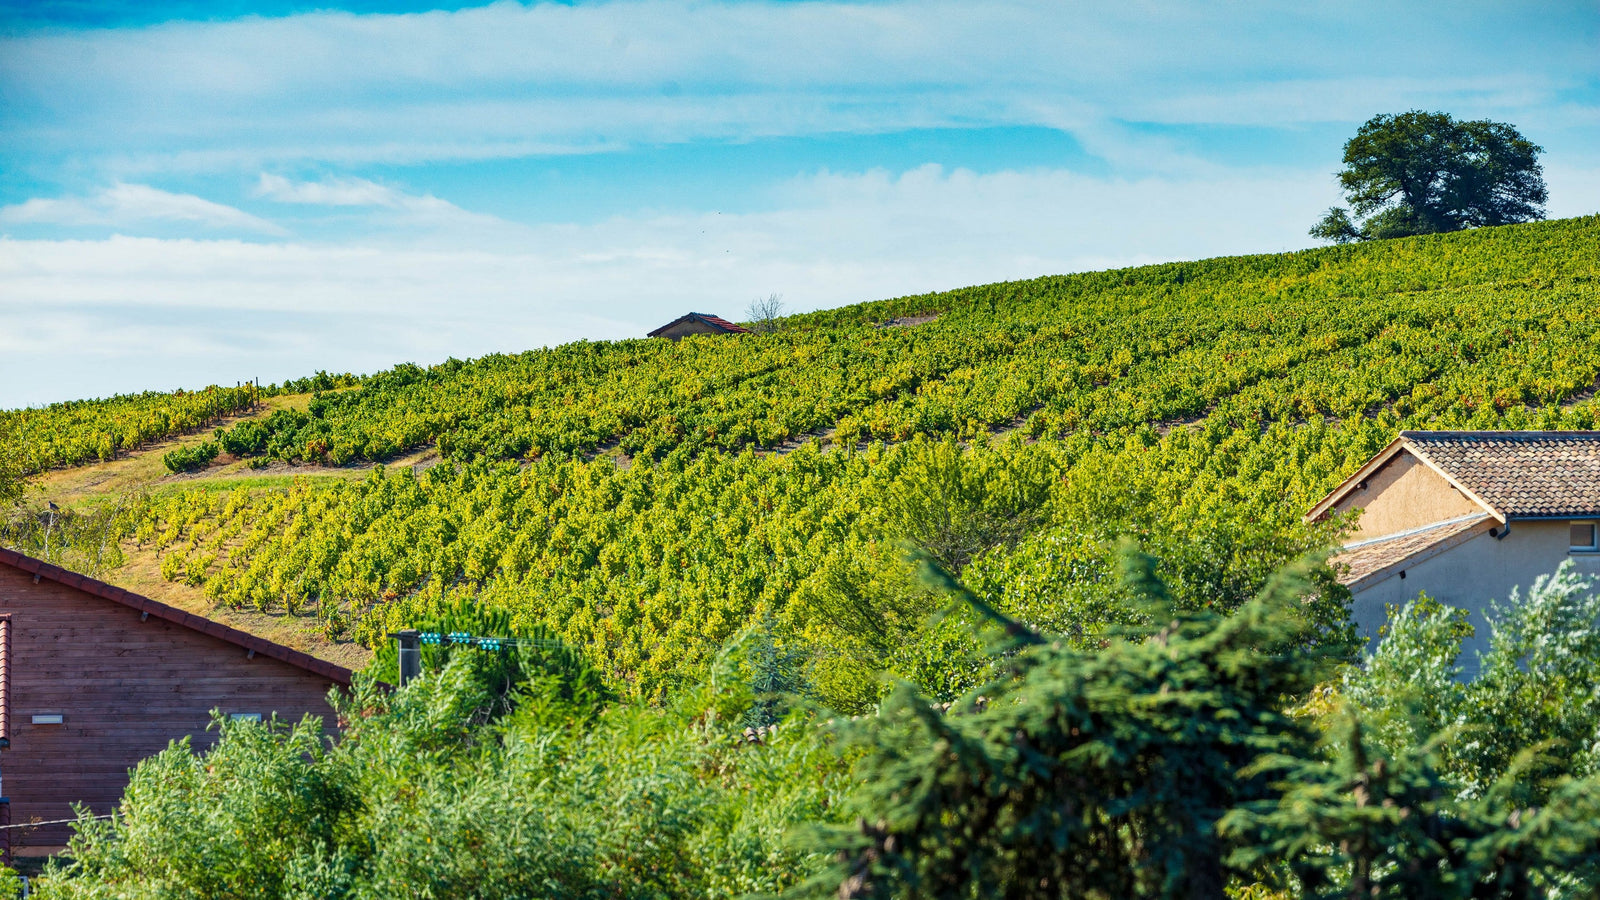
(408, 647)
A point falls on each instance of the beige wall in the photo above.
(1471, 574)
(1405, 494)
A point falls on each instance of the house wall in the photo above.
(693, 326)
(1473, 573)
(126, 688)
(1405, 494)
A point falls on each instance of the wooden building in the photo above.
(697, 323)
(94, 678)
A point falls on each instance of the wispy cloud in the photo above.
(123, 205)
(401, 208)
(509, 79)
(281, 309)
(329, 192)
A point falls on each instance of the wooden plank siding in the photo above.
(126, 682)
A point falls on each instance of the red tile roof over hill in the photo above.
(1519, 473)
(717, 322)
(41, 569)
(1511, 474)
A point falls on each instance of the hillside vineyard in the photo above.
(84, 431)
(1200, 406)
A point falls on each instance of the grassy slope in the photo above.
(1448, 330)
(143, 471)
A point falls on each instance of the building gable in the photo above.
(1467, 517)
(697, 323)
(1403, 494)
(96, 678)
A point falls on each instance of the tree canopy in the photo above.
(1424, 173)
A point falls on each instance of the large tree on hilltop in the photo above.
(1423, 173)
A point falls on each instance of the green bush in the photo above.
(190, 459)
(1166, 764)
(441, 790)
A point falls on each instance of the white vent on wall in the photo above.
(245, 717)
(49, 719)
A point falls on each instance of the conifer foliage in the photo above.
(1099, 772)
(1166, 764)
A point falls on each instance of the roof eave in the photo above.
(1423, 555)
(658, 332)
(1371, 466)
(210, 627)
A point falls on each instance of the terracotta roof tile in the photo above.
(715, 321)
(1519, 473)
(722, 323)
(1370, 560)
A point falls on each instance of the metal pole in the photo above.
(409, 648)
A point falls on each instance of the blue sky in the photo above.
(208, 192)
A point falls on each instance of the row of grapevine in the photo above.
(1201, 407)
(83, 431)
(1439, 328)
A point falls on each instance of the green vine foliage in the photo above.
(190, 459)
(84, 431)
(637, 498)
(1455, 330)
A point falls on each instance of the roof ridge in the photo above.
(92, 586)
(1501, 435)
(1518, 474)
(716, 320)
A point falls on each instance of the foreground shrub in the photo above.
(1165, 764)
(444, 790)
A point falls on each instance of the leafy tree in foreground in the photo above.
(1357, 823)
(442, 789)
(1099, 773)
(1538, 686)
(1165, 765)
(1423, 173)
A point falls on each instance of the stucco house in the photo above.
(697, 323)
(1466, 516)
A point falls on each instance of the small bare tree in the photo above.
(763, 315)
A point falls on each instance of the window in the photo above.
(1583, 536)
(246, 717)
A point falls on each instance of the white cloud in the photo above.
(330, 192)
(508, 79)
(231, 309)
(123, 205)
(409, 210)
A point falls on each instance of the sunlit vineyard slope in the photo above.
(1198, 406)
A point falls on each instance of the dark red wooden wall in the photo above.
(125, 687)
